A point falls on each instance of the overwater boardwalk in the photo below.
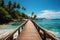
(29, 32)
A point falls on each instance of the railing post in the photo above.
(22, 28)
(44, 37)
(18, 31)
(38, 29)
(10, 38)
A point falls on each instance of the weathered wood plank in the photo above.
(29, 32)
(46, 34)
(10, 35)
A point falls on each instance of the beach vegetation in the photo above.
(10, 11)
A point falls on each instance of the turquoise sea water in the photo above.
(52, 26)
(6, 29)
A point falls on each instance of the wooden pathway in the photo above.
(29, 32)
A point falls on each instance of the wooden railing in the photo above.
(45, 35)
(10, 35)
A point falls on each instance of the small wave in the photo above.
(57, 34)
(4, 33)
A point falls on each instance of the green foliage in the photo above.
(8, 12)
(4, 14)
(24, 15)
(18, 5)
(14, 5)
(10, 7)
(17, 14)
(2, 3)
(9, 4)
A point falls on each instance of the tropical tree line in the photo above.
(33, 16)
(10, 11)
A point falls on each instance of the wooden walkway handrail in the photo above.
(29, 32)
(45, 34)
(10, 35)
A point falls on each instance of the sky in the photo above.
(42, 8)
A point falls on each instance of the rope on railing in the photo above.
(10, 35)
(43, 33)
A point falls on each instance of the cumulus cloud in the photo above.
(49, 14)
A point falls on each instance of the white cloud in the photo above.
(49, 14)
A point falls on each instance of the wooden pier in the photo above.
(31, 31)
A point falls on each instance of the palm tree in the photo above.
(35, 16)
(32, 14)
(24, 8)
(18, 5)
(2, 3)
(9, 4)
(14, 5)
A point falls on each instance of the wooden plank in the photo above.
(29, 32)
(13, 32)
(50, 35)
